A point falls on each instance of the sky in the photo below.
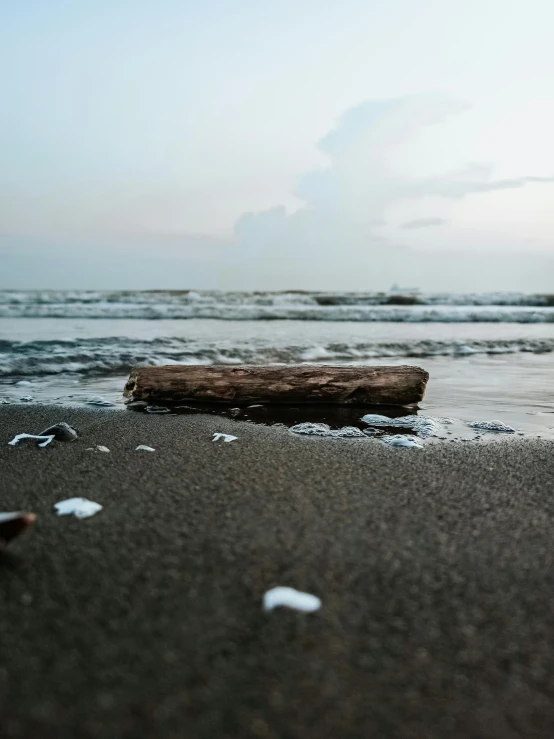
(277, 144)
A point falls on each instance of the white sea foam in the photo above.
(311, 429)
(267, 305)
(322, 429)
(496, 426)
(119, 354)
(424, 426)
(399, 440)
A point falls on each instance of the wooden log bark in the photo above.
(278, 384)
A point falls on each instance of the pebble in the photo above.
(61, 432)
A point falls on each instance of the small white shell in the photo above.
(79, 507)
(225, 437)
(291, 598)
(45, 440)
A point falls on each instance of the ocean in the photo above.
(490, 356)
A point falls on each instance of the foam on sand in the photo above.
(399, 440)
(322, 429)
(424, 426)
(496, 426)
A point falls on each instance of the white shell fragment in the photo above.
(45, 440)
(224, 437)
(98, 448)
(291, 598)
(401, 440)
(157, 409)
(79, 507)
(424, 426)
(491, 426)
(322, 429)
(144, 448)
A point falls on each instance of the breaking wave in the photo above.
(118, 355)
(313, 306)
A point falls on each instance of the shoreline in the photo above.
(434, 568)
(530, 425)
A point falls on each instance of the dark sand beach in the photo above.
(435, 568)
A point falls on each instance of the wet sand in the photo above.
(435, 568)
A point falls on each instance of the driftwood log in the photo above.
(278, 384)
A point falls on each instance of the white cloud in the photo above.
(337, 233)
(343, 235)
(424, 223)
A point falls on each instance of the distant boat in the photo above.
(397, 290)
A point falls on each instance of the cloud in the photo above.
(424, 223)
(338, 238)
(336, 234)
(474, 180)
(344, 200)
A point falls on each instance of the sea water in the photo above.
(489, 356)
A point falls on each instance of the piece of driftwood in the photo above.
(278, 384)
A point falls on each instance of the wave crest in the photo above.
(118, 355)
(293, 305)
